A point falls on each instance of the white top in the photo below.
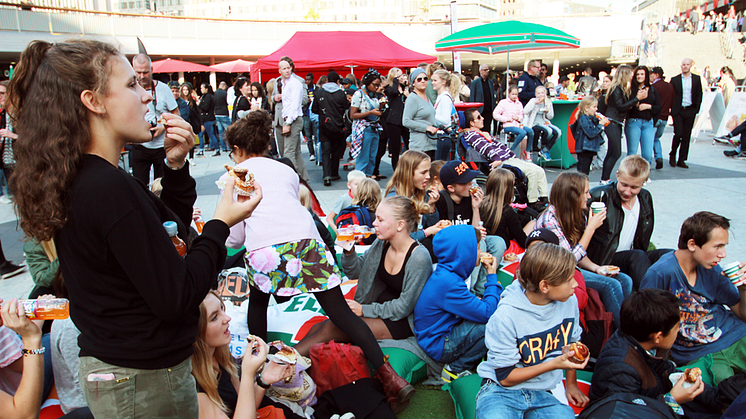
(292, 98)
(629, 227)
(280, 217)
(686, 91)
(444, 109)
(163, 101)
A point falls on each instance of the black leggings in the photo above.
(396, 133)
(614, 149)
(335, 307)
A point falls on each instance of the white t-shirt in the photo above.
(163, 101)
(627, 236)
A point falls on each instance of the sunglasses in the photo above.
(421, 79)
(479, 117)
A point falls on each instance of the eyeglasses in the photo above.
(230, 156)
(421, 79)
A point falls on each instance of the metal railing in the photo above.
(624, 50)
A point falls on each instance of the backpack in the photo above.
(520, 185)
(627, 405)
(357, 215)
(328, 121)
(599, 324)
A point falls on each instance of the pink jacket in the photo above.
(505, 111)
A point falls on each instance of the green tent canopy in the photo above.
(507, 36)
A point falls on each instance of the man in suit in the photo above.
(687, 99)
(483, 90)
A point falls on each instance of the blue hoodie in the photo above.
(446, 299)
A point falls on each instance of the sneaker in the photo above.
(9, 269)
(191, 162)
(659, 163)
(604, 182)
(5, 200)
(730, 153)
(741, 156)
(200, 153)
(217, 153)
(647, 182)
(312, 158)
(543, 154)
(448, 376)
(723, 138)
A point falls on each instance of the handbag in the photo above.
(336, 364)
(270, 412)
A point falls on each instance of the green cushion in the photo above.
(464, 394)
(504, 278)
(232, 252)
(408, 365)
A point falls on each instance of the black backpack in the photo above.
(627, 405)
(520, 185)
(328, 122)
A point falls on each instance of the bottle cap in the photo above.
(171, 228)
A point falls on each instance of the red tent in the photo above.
(319, 52)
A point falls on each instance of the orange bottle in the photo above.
(172, 229)
(56, 309)
(199, 223)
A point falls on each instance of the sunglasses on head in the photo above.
(421, 79)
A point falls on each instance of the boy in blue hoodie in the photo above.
(449, 321)
(528, 338)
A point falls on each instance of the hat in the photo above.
(346, 81)
(544, 234)
(413, 75)
(173, 84)
(333, 77)
(658, 71)
(349, 91)
(456, 172)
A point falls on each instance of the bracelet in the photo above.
(260, 382)
(33, 351)
(174, 168)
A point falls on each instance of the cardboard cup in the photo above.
(597, 207)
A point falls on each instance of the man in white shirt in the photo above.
(624, 237)
(145, 155)
(288, 140)
(687, 98)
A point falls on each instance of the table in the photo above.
(564, 148)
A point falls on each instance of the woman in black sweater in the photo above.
(207, 113)
(640, 126)
(396, 93)
(134, 299)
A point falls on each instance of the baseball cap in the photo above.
(350, 91)
(333, 76)
(544, 234)
(173, 84)
(346, 81)
(456, 172)
(657, 70)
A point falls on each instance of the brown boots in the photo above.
(398, 390)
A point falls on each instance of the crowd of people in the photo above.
(695, 20)
(148, 335)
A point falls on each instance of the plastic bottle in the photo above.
(56, 309)
(199, 223)
(172, 229)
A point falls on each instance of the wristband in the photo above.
(174, 168)
(34, 351)
(260, 382)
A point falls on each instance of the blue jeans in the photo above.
(495, 401)
(223, 122)
(494, 245)
(612, 290)
(443, 148)
(210, 131)
(640, 132)
(520, 133)
(366, 160)
(464, 348)
(660, 126)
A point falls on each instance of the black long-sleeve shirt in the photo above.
(134, 299)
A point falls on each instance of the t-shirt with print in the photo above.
(462, 211)
(707, 326)
(163, 101)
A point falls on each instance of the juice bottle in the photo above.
(199, 223)
(474, 186)
(346, 234)
(56, 309)
(172, 229)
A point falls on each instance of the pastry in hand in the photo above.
(244, 179)
(691, 374)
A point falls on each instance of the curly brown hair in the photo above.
(251, 134)
(53, 126)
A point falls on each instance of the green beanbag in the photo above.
(464, 394)
(408, 365)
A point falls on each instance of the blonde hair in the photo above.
(545, 262)
(271, 86)
(621, 79)
(355, 175)
(156, 187)
(393, 74)
(304, 195)
(635, 166)
(403, 209)
(202, 368)
(499, 194)
(368, 194)
(403, 179)
(587, 102)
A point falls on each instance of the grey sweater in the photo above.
(418, 115)
(369, 286)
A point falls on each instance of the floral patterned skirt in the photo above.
(288, 269)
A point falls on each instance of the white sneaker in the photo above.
(312, 158)
(191, 162)
(5, 200)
